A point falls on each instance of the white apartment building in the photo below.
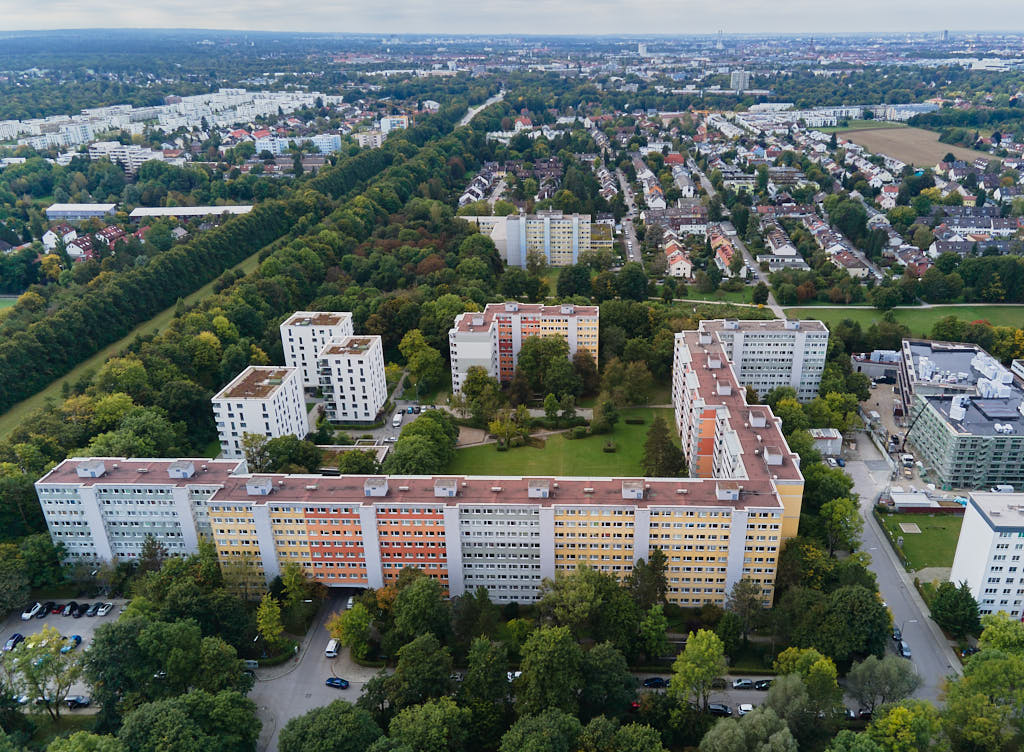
(989, 551)
(325, 143)
(305, 333)
(770, 354)
(393, 123)
(102, 509)
(130, 157)
(351, 372)
(265, 400)
(370, 139)
(492, 339)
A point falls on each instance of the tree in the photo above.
(424, 362)
(435, 726)
(551, 730)
(551, 407)
(955, 610)
(290, 454)
(503, 427)
(855, 625)
(338, 727)
(972, 721)
(81, 741)
(153, 554)
(606, 686)
(254, 448)
(39, 669)
(268, 622)
(631, 282)
(661, 456)
(879, 681)
(197, 720)
(848, 741)
(573, 280)
(485, 690)
(842, 524)
(14, 584)
(760, 295)
(419, 610)
(42, 560)
(424, 671)
(648, 581)
(550, 672)
(357, 462)
(697, 667)
(1002, 633)
(730, 631)
(636, 737)
(747, 602)
(908, 726)
(760, 729)
(653, 629)
(352, 629)
(536, 355)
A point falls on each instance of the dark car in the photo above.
(897, 635)
(70, 609)
(743, 684)
(80, 611)
(70, 643)
(763, 685)
(16, 639)
(93, 609)
(337, 682)
(45, 610)
(77, 701)
(968, 652)
(416, 409)
(655, 682)
(58, 608)
(841, 462)
(411, 410)
(719, 709)
(864, 714)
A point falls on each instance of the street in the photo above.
(753, 265)
(932, 655)
(474, 110)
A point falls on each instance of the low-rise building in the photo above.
(265, 400)
(78, 212)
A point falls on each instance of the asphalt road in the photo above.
(932, 655)
(632, 251)
(473, 111)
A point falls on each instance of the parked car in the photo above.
(743, 684)
(13, 641)
(45, 610)
(720, 709)
(655, 682)
(337, 682)
(904, 649)
(851, 714)
(105, 609)
(831, 461)
(93, 609)
(77, 701)
(58, 608)
(410, 411)
(968, 652)
(31, 611)
(897, 635)
(80, 611)
(864, 714)
(763, 685)
(70, 609)
(841, 462)
(744, 708)
(70, 643)
(416, 409)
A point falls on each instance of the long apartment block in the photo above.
(722, 436)
(492, 338)
(501, 533)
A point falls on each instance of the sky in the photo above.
(544, 17)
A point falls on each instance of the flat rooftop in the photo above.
(187, 211)
(1002, 510)
(81, 207)
(350, 345)
(981, 415)
(142, 471)
(752, 325)
(316, 318)
(951, 362)
(255, 382)
(464, 322)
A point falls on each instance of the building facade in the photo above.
(351, 372)
(560, 238)
(502, 533)
(304, 335)
(492, 339)
(265, 400)
(989, 551)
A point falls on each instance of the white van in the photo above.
(397, 420)
(332, 649)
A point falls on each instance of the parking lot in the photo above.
(84, 626)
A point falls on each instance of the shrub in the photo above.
(501, 447)
(516, 441)
(579, 432)
(609, 446)
(634, 421)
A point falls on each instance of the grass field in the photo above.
(746, 295)
(918, 320)
(10, 420)
(863, 125)
(6, 302)
(912, 145)
(935, 545)
(561, 456)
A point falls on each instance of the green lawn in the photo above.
(935, 545)
(6, 302)
(918, 320)
(746, 295)
(561, 456)
(10, 420)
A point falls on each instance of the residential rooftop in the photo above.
(255, 382)
(316, 318)
(1000, 510)
(350, 346)
(99, 471)
(752, 325)
(479, 321)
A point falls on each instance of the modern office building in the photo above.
(264, 400)
(502, 533)
(965, 414)
(770, 354)
(989, 551)
(492, 339)
(304, 335)
(723, 437)
(351, 372)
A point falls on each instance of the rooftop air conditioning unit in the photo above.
(403, 488)
(311, 488)
(495, 489)
(280, 483)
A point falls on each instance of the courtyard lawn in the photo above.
(918, 320)
(562, 456)
(935, 545)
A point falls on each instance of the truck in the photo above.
(907, 460)
(397, 420)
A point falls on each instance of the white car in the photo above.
(744, 708)
(104, 609)
(31, 611)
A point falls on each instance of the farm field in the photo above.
(863, 125)
(912, 145)
(10, 420)
(561, 456)
(918, 320)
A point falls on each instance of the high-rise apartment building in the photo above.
(989, 552)
(304, 335)
(560, 238)
(739, 80)
(265, 400)
(492, 339)
(351, 371)
(770, 354)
